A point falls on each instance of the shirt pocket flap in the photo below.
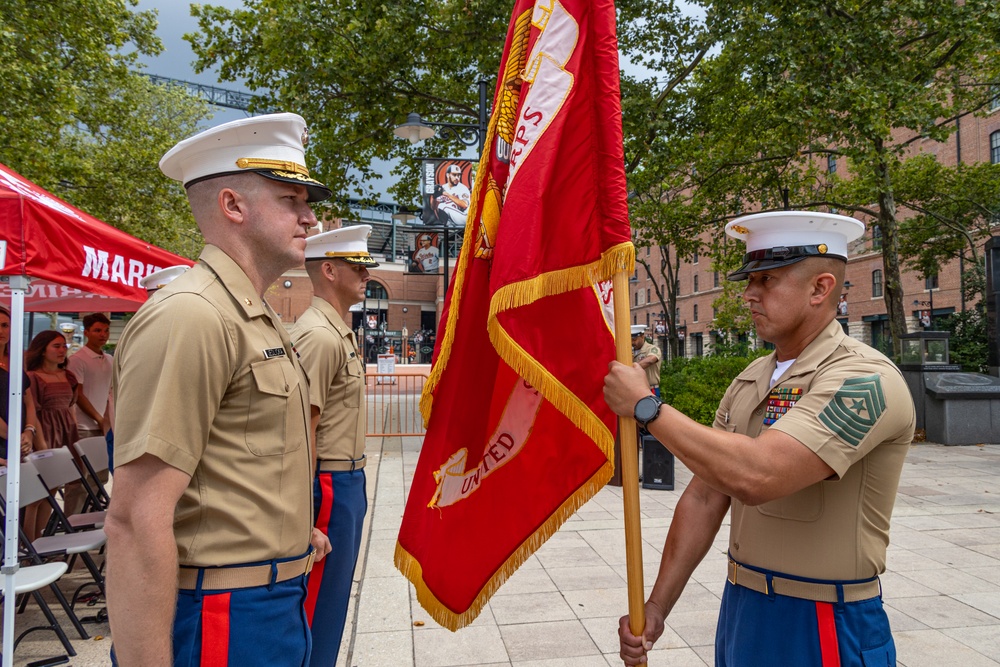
(274, 376)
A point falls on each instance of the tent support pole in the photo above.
(18, 285)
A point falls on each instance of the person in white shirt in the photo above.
(93, 368)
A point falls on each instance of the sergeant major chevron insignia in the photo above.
(854, 409)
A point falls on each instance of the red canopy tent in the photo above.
(54, 257)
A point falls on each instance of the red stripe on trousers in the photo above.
(215, 630)
(323, 523)
(827, 626)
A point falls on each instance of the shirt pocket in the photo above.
(804, 505)
(272, 407)
(354, 376)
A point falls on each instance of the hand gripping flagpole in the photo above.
(630, 469)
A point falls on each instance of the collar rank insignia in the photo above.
(780, 401)
(273, 352)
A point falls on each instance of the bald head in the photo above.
(204, 195)
(812, 268)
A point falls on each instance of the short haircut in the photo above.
(95, 318)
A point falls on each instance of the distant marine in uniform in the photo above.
(337, 263)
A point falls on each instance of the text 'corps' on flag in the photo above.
(519, 435)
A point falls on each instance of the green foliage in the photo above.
(356, 69)
(969, 342)
(81, 123)
(789, 85)
(696, 385)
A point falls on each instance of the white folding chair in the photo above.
(31, 579)
(56, 469)
(94, 454)
(57, 547)
(31, 490)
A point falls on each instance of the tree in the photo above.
(793, 85)
(80, 122)
(357, 70)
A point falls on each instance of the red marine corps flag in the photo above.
(519, 435)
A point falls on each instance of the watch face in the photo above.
(646, 409)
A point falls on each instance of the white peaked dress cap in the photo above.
(272, 145)
(780, 238)
(347, 243)
(162, 278)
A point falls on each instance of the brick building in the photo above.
(977, 140)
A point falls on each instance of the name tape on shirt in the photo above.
(273, 352)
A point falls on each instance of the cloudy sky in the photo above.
(177, 58)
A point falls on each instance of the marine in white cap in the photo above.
(337, 263)
(806, 450)
(159, 279)
(647, 356)
(210, 533)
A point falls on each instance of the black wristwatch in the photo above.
(646, 410)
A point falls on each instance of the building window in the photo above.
(876, 237)
(877, 282)
(637, 298)
(647, 251)
(695, 313)
(696, 283)
(677, 316)
(831, 164)
(715, 279)
(931, 282)
(375, 290)
(695, 259)
(647, 296)
(715, 312)
(995, 102)
(995, 147)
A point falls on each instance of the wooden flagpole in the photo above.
(630, 468)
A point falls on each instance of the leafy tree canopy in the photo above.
(81, 123)
(355, 70)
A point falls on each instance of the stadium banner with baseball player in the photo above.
(446, 190)
(426, 255)
(518, 433)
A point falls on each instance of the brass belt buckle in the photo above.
(734, 566)
(309, 561)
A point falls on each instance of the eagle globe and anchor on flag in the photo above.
(518, 433)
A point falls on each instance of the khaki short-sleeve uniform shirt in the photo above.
(849, 404)
(652, 371)
(206, 381)
(329, 354)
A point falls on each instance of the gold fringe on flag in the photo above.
(614, 260)
(448, 618)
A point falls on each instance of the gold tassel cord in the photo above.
(411, 569)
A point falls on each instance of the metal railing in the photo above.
(393, 404)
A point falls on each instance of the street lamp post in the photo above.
(471, 134)
(417, 129)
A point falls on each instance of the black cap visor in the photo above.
(315, 191)
(775, 258)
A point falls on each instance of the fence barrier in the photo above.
(393, 402)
